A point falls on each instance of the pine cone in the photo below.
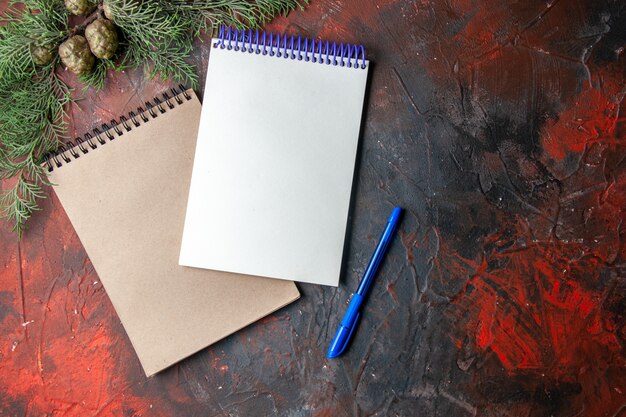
(106, 8)
(102, 38)
(41, 54)
(79, 7)
(76, 56)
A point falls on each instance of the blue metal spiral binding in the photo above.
(290, 47)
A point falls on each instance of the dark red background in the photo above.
(499, 126)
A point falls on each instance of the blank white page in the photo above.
(273, 167)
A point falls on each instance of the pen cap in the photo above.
(342, 337)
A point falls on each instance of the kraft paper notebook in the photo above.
(124, 188)
(275, 157)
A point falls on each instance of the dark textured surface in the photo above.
(497, 125)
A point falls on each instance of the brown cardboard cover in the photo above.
(126, 199)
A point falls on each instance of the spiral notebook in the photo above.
(275, 156)
(124, 188)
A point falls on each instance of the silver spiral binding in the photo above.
(290, 47)
(108, 132)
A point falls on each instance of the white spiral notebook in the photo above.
(275, 156)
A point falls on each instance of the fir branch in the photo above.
(21, 201)
(42, 23)
(95, 79)
(157, 35)
(208, 15)
(32, 124)
(149, 21)
(168, 60)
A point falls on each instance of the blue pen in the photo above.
(346, 328)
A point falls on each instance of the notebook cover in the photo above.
(275, 159)
(126, 199)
